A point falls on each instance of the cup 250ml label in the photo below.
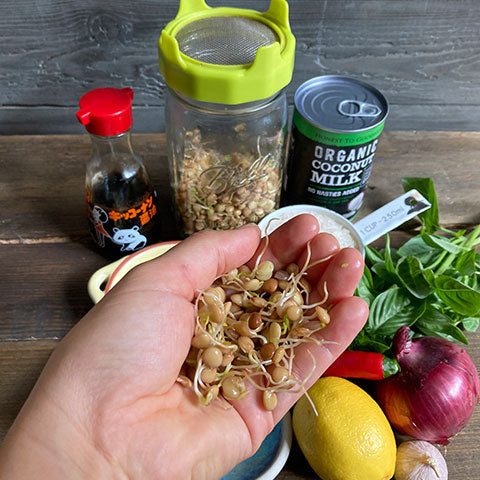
(330, 169)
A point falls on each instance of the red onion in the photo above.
(434, 395)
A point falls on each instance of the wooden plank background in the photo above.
(423, 54)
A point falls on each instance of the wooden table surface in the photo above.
(47, 258)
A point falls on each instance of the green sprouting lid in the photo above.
(227, 55)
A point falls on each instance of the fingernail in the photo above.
(248, 225)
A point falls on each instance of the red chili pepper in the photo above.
(367, 365)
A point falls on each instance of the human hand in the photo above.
(107, 405)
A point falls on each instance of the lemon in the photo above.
(350, 439)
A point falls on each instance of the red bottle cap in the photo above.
(106, 111)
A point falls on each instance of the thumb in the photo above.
(194, 263)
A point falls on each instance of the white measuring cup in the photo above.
(360, 233)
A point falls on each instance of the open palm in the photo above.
(114, 375)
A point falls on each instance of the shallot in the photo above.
(419, 460)
(434, 395)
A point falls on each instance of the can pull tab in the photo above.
(360, 109)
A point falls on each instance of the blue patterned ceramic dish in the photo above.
(270, 457)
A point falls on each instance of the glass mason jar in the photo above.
(226, 113)
(226, 161)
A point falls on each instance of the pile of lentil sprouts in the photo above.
(248, 324)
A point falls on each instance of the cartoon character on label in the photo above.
(98, 216)
(414, 205)
(129, 238)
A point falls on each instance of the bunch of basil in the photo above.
(430, 284)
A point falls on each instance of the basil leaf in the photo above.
(365, 287)
(470, 281)
(434, 322)
(387, 306)
(416, 247)
(381, 270)
(425, 186)
(429, 277)
(465, 263)
(367, 344)
(379, 284)
(459, 297)
(407, 316)
(388, 256)
(410, 272)
(448, 332)
(372, 255)
(440, 242)
(471, 324)
(458, 233)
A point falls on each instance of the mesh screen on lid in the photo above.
(224, 40)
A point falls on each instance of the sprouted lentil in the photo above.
(254, 338)
(217, 191)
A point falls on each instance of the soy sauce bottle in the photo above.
(121, 202)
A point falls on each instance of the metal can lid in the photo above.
(340, 104)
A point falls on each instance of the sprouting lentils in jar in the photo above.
(247, 333)
(221, 192)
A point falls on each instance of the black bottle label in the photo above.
(120, 231)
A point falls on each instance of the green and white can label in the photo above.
(329, 161)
